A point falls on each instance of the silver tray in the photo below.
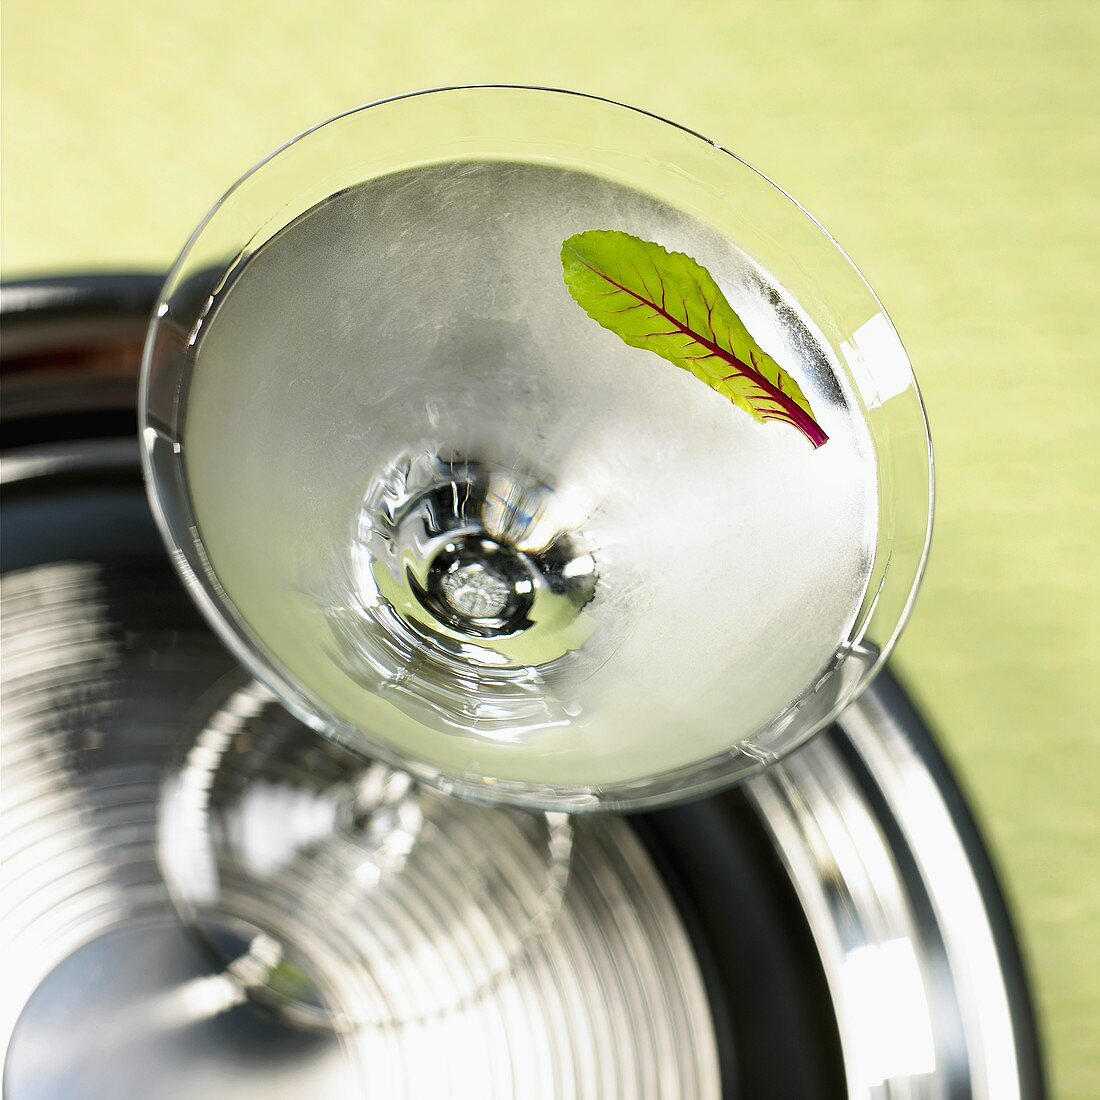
(833, 928)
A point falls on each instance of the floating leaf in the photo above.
(667, 303)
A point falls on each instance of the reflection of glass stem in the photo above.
(288, 841)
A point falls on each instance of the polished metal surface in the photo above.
(479, 970)
(141, 1012)
(924, 1006)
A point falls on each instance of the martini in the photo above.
(473, 524)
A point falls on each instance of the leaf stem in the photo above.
(793, 413)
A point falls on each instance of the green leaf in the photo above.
(667, 303)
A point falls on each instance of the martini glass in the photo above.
(474, 539)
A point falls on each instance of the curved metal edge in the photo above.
(924, 969)
(907, 733)
(49, 297)
(68, 310)
(83, 334)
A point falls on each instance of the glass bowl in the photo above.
(684, 624)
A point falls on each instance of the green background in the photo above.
(954, 149)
